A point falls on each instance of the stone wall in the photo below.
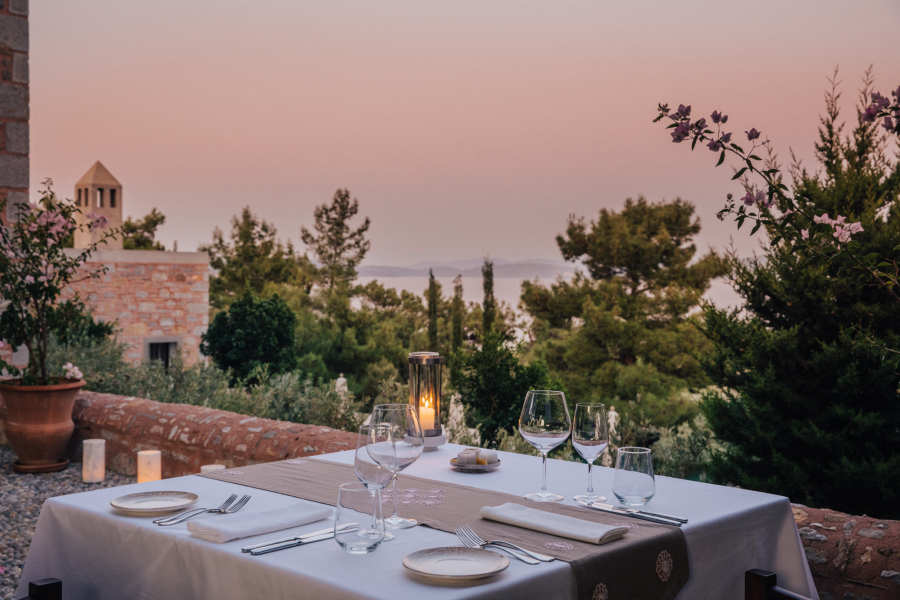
(154, 296)
(190, 436)
(14, 170)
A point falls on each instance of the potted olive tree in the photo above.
(34, 271)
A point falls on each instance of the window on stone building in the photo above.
(99, 197)
(112, 198)
(162, 352)
(78, 202)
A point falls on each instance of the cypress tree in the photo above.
(433, 301)
(489, 306)
(457, 312)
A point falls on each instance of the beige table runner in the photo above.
(649, 563)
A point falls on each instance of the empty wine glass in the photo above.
(374, 476)
(590, 437)
(544, 424)
(395, 442)
(634, 484)
(352, 500)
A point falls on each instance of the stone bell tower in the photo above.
(100, 193)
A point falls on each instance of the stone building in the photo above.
(13, 104)
(100, 193)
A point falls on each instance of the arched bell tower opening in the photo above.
(100, 193)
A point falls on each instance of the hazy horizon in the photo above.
(464, 129)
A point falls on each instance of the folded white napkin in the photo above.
(561, 525)
(224, 528)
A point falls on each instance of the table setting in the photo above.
(396, 517)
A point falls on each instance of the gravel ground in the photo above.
(21, 497)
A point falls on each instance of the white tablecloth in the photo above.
(99, 553)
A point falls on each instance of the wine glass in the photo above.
(395, 442)
(590, 437)
(374, 476)
(544, 424)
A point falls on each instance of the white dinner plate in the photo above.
(154, 502)
(455, 563)
(474, 468)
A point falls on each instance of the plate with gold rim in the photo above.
(455, 563)
(154, 502)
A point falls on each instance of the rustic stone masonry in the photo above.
(14, 166)
(850, 557)
(156, 297)
(190, 436)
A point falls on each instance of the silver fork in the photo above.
(474, 537)
(193, 511)
(471, 543)
(218, 511)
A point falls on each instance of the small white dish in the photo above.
(474, 468)
(455, 563)
(154, 502)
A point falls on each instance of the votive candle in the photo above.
(93, 461)
(426, 416)
(149, 465)
(211, 468)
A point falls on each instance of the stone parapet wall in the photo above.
(850, 557)
(191, 436)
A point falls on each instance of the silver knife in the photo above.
(644, 512)
(594, 506)
(298, 537)
(294, 544)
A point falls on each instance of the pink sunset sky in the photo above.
(464, 128)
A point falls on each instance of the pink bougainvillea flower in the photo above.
(752, 134)
(888, 124)
(854, 227)
(804, 233)
(701, 124)
(869, 115)
(29, 279)
(726, 137)
(681, 132)
(749, 199)
(714, 146)
(716, 117)
(896, 93)
(684, 111)
(822, 219)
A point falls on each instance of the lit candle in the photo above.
(426, 415)
(149, 465)
(211, 468)
(93, 461)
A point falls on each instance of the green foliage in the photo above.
(141, 234)
(72, 320)
(457, 311)
(285, 397)
(493, 384)
(807, 408)
(338, 249)
(253, 333)
(489, 306)
(628, 329)
(433, 296)
(253, 258)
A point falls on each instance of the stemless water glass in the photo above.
(395, 442)
(354, 498)
(544, 424)
(590, 437)
(374, 476)
(634, 484)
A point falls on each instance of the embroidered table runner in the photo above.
(649, 563)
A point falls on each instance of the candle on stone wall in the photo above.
(93, 461)
(149, 465)
(211, 468)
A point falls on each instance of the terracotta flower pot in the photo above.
(39, 423)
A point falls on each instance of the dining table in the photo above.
(99, 552)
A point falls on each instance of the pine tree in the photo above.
(141, 234)
(457, 311)
(489, 306)
(338, 248)
(434, 299)
(805, 407)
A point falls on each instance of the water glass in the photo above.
(544, 423)
(354, 498)
(590, 437)
(634, 484)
